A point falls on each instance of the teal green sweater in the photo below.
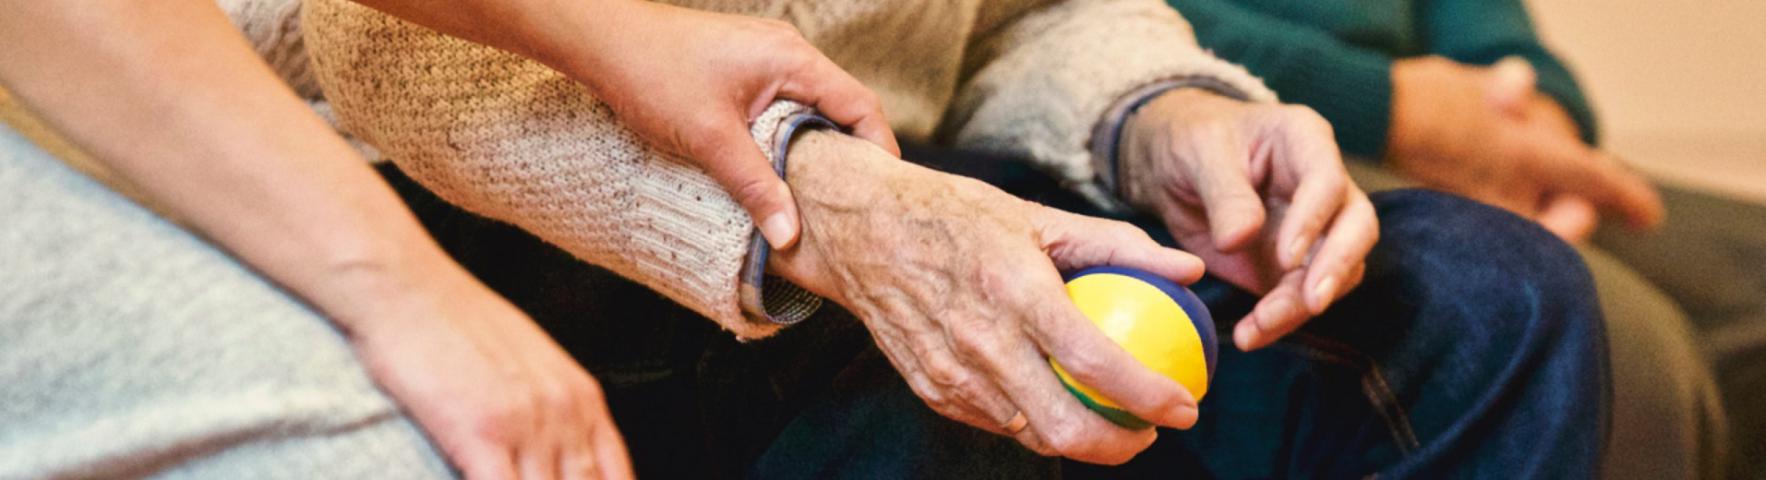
(1336, 55)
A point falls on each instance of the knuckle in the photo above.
(869, 100)
(1127, 232)
(1079, 361)
(557, 398)
(972, 344)
(497, 425)
(945, 373)
(938, 402)
(1066, 439)
(1306, 117)
(751, 190)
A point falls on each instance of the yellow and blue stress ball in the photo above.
(1162, 324)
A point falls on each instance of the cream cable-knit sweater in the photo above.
(508, 138)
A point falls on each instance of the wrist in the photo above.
(1150, 136)
(1412, 119)
(367, 290)
(832, 176)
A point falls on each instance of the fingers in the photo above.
(538, 460)
(1320, 194)
(1077, 241)
(1352, 235)
(1277, 314)
(1569, 217)
(1056, 420)
(608, 446)
(843, 99)
(736, 163)
(1570, 167)
(576, 459)
(1092, 358)
(1235, 211)
(1510, 85)
(485, 462)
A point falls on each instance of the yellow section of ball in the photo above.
(1147, 323)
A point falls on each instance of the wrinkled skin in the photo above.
(1259, 192)
(959, 285)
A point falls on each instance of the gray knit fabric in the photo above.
(130, 348)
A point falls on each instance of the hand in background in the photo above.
(1488, 134)
(1258, 191)
(960, 285)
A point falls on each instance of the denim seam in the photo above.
(1373, 385)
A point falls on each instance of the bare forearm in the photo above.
(572, 36)
(173, 100)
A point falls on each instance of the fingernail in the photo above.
(1184, 416)
(1242, 334)
(1297, 251)
(1323, 293)
(777, 230)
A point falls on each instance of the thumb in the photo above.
(1510, 84)
(737, 164)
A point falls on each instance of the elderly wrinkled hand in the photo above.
(1258, 191)
(960, 285)
(1488, 134)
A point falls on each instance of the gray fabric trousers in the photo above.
(1668, 419)
(131, 348)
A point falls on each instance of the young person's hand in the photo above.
(1259, 192)
(960, 285)
(499, 397)
(1488, 134)
(686, 81)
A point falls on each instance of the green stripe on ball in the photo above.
(1114, 415)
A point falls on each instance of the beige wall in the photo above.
(1680, 86)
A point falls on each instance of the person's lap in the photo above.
(689, 399)
(1710, 257)
(132, 348)
(1668, 419)
(819, 400)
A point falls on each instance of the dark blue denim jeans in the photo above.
(1474, 348)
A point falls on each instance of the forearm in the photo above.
(576, 37)
(168, 96)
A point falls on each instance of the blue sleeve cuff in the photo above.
(1107, 138)
(768, 298)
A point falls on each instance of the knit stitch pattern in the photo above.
(511, 139)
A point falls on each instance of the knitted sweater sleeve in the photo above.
(1037, 86)
(508, 138)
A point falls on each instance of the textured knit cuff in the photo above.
(1106, 142)
(767, 298)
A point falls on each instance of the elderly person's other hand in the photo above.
(1260, 193)
(720, 70)
(1486, 133)
(960, 285)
